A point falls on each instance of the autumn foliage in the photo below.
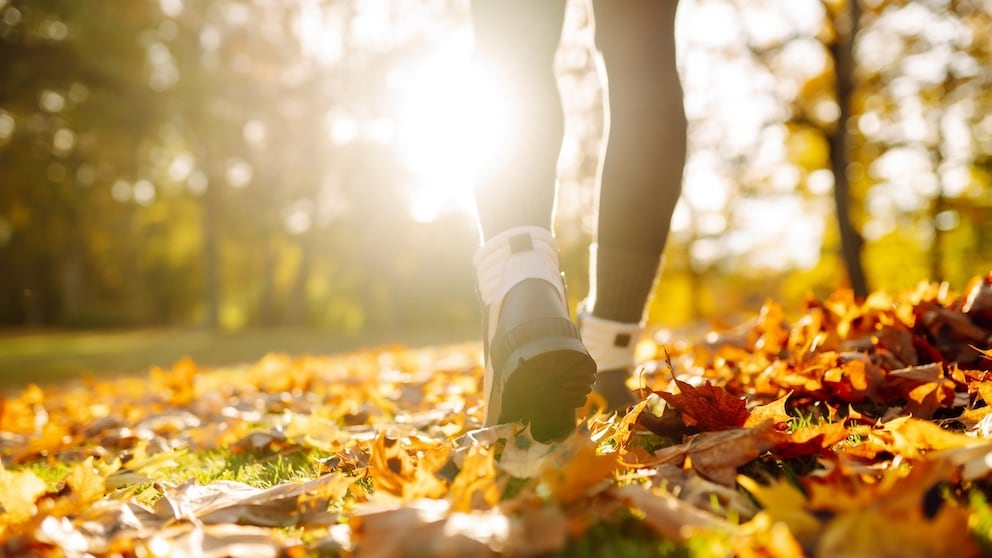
(858, 428)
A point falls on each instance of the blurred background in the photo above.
(223, 178)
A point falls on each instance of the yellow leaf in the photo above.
(86, 484)
(400, 473)
(19, 490)
(783, 502)
(774, 411)
(765, 537)
(913, 437)
(178, 384)
(475, 485)
(867, 533)
(577, 469)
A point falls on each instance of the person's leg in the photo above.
(537, 369)
(640, 176)
(516, 41)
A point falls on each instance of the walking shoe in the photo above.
(537, 369)
(611, 345)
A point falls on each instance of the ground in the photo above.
(858, 428)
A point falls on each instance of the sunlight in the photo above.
(449, 118)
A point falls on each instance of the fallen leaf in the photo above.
(717, 455)
(19, 490)
(709, 407)
(774, 412)
(576, 468)
(475, 485)
(809, 441)
(913, 437)
(784, 502)
(669, 516)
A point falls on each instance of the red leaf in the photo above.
(709, 407)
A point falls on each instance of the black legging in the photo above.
(641, 164)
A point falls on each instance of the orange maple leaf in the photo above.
(810, 441)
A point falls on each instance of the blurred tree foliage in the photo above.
(234, 163)
(171, 163)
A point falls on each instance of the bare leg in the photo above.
(517, 41)
(641, 165)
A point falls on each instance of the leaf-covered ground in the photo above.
(856, 429)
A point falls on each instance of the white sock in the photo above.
(611, 344)
(514, 255)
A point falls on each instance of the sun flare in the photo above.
(450, 117)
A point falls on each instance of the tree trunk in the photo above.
(846, 25)
(72, 285)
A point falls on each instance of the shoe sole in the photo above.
(545, 381)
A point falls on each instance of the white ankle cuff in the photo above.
(611, 344)
(514, 255)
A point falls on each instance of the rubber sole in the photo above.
(543, 382)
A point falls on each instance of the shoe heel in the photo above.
(546, 372)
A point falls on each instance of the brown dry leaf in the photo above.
(693, 489)
(191, 500)
(717, 455)
(427, 526)
(211, 541)
(924, 400)
(899, 341)
(709, 407)
(669, 516)
(285, 505)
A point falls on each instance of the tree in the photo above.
(845, 23)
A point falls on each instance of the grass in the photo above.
(624, 538)
(258, 470)
(49, 356)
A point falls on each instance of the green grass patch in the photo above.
(52, 471)
(980, 522)
(258, 470)
(628, 537)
